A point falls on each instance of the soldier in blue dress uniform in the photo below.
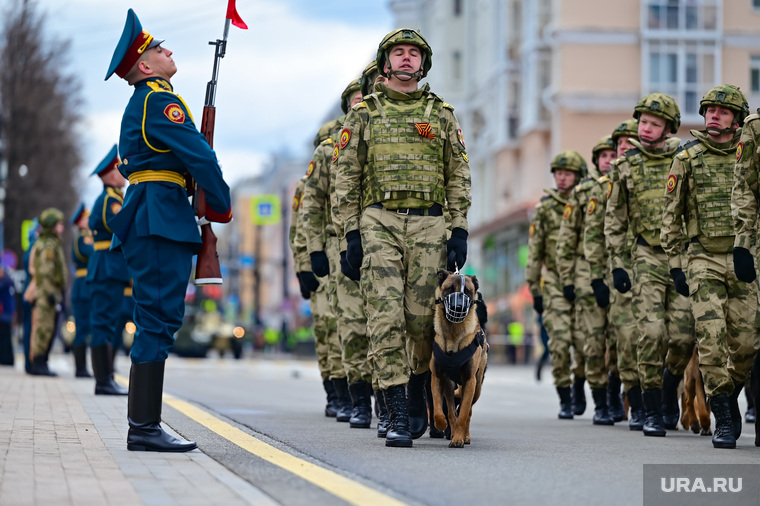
(81, 250)
(107, 275)
(157, 230)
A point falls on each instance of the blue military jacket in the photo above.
(81, 250)
(105, 264)
(158, 134)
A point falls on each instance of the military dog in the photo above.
(460, 354)
(696, 411)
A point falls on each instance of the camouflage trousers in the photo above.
(592, 321)
(664, 322)
(622, 331)
(725, 314)
(44, 327)
(352, 325)
(326, 333)
(402, 255)
(564, 333)
(334, 348)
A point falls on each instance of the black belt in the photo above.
(434, 210)
(643, 242)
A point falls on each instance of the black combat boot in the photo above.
(344, 399)
(637, 417)
(601, 413)
(80, 361)
(382, 414)
(331, 408)
(39, 367)
(101, 366)
(418, 413)
(146, 386)
(361, 399)
(670, 412)
(434, 433)
(615, 402)
(565, 403)
(749, 416)
(736, 414)
(723, 437)
(398, 434)
(653, 426)
(579, 396)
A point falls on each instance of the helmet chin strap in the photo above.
(411, 75)
(719, 131)
(661, 138)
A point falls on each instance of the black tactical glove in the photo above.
(601, 293)
(621, 280)
(568, 292)
(319, 264)
(456, 249)
(744, 265)
(679, 280)
(51, 300)
(310, 281)
(305, 293)
(538, 304)
(347, 270)
(354, 252)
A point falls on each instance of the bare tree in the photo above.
(39, 110)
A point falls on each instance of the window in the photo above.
(756, 4)
(688, 15)
(754, 74)
(458, 7)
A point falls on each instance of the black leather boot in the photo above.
(653, 425)
(39, 367)
(418, 413)
(146, 386)
(398, 434)
(601, 412)
(383, 418)
(723, 437)
(615, 402)
(579, 396)
(361, 399)
(331, 408)
(101, 366)
(434, 433)
(637, 418)
(749, 416)
(565, 403)
(736, 414)
(344, 399)
(670, 412)
(80, 361)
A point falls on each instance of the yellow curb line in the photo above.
(332, 482)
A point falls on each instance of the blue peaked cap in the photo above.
(74, 217)
(134, 42)
(107, 162)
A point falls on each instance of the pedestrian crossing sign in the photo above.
(265, 209)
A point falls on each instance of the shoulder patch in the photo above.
(115, 208)
(460, 138)
(609, 188)
(568, 212)
(532, 230)
(174, 113)
(672, 182)
(345, 137)
(591, 206)
(310, 170)
(336, 154)
(739, 150)
(295, 202)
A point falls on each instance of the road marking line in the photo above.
(349, 490)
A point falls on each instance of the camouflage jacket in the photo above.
(698, 196)
(356, 140)
(637, 197)
(542, 238)
(301, 260)
(49, 266)
(745, 192)
(570, 238)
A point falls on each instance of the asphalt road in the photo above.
(520, 452)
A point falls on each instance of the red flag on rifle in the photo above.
(232, 14)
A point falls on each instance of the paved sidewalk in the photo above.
(60, 444)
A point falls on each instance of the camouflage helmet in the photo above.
(405, 36)
(345, 97)
(50, 217)
(728, 96)
(367, 80)
(569, 160)
(661, 105)
(629, 127)
(605, 142)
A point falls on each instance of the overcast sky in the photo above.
(276, 84)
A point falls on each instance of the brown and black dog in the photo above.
(460, 354)
(696, 410)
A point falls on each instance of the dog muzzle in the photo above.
(457, 305)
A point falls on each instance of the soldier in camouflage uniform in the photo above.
(50, 281)
(574, 275)
(310, 287)
(402, 158)
(724, 308)
(621, 326)
(568, 168)
(346, 299)
(664, 322)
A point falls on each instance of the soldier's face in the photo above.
(718, 118)
(406, 58)
(355, 99)
(623, 144)
(605, 159)
(83, 221)
(58, 229)
(651, 127)
(565, 179)
(160, 62)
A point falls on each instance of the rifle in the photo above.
(207, 268)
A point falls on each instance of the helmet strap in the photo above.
(720, 131)
(411, 75)
(658, 140)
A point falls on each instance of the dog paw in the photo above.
(705, 432)
(467, 439)
(456, 443)
(695, 427)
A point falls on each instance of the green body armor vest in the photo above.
(401, 162)
(647, 194)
